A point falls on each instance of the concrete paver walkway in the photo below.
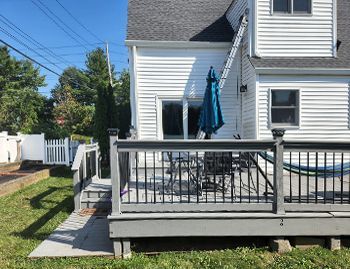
(77, 236)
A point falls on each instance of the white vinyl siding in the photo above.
(248, 98)
(296, 35)
(247, 77)
(324, 107)
(173, 73)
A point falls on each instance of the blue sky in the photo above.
(106, 19)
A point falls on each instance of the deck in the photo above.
(221, 188)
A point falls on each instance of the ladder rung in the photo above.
(232, 52)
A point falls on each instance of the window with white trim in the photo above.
(172, 119)
(194, 110)
(292, 6)
(284, 107)
(180, 118)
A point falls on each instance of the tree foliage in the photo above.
(122, 93)
(74, 117)
(106, 111)
(83, 101)
(79, 82)
(20, 101)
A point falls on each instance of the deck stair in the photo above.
(97, 195)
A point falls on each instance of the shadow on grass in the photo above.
(66, 205)
(36, 202)
(61, 171)
(31, 231)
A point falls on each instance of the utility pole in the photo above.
(109, 65)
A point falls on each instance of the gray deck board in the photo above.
(76, 237)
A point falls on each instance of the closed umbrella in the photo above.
(211, 117)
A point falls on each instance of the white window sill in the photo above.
(286, 127)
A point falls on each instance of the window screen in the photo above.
(172, 117)
(285, 107)
(283, 6)
(302, 6)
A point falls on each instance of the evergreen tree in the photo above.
(122, 92)
(101, 121)
(112, 112)
(105, 112)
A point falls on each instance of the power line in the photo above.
(59, 19)
(29, 58)
(25, 45)
(82, 25)
(40, 64)
(73, 46)
(57, 24)
(32, 40)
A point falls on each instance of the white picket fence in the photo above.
(35, 147)
(60, 151)
(57, 151)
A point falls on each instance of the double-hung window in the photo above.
(292, 6)
(284, 108)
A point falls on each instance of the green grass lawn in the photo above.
(27, 217)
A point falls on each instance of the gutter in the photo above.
(176, 44)
(301, 71)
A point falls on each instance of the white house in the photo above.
(294, 60)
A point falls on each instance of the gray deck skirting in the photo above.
(228, 224)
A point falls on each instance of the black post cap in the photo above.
(113, 131)
(278, 132)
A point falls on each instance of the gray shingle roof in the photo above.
(179, 20)
(343, 56)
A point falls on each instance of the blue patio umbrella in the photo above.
(211, 118)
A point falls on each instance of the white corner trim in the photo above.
(335, 28)
(177, 44)
(135, 85)
(257, 100)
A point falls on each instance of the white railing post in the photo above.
(66, 150)
(84, 163)
(45, 152)
(97, 164)
(115, 171)
(78, 167)
(278, 201)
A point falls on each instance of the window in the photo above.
(180, 118)
(172, 119)
(283, 6)
(194, 110)
(292, 6)
(284, 108)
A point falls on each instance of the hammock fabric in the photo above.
(319, 171)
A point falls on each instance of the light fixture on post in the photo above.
(243, 88)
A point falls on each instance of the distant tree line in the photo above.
(83, 101)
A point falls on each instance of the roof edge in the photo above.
(177, 44)
(301, 71)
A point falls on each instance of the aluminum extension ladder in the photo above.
(233, 51)
(229, 59)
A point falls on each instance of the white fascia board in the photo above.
(301, 71)
(177, 44)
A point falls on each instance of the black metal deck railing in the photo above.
(229, 175)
